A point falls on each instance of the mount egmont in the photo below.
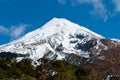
(60, 39)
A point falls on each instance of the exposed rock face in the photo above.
(109, 43)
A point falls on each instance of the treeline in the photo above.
(48, 70)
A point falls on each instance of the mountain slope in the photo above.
(57, 39)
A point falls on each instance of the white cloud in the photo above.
(117, 5)
(14, 31)
(17, 31)
(3, 29)
(62, 1)
(99, 8)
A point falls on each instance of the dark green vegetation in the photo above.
(48, 70)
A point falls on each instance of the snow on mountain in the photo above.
(55, 40)
(117, 40)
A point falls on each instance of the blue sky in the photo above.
(18, 17)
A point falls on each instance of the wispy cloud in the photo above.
(62, 2)
(99, 8)
(17, 31)
(117, 5)
(3, 29)
(14, 31)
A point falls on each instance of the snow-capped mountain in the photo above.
(58, 39)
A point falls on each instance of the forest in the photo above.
(107, 64)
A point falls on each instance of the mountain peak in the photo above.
(62, 24)
(56, 38)
(57, 22)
